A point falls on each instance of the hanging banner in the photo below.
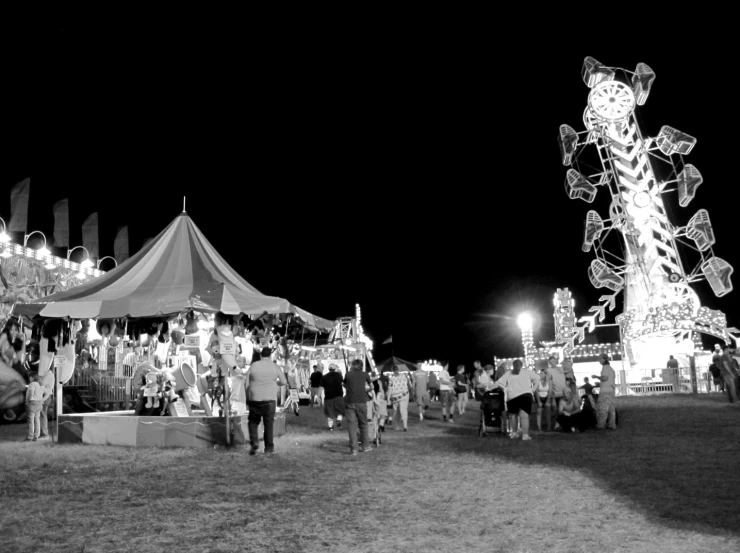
(120, 245)
(19, 196)
(61, 223)
(90, 235)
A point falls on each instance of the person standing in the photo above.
(433, 386)
(477, 371)
(315, 380)
(461, 388)
(35, 396)
(570, 376)
(357, 383)
(292, 378)
(380, 386)
(587, 388)
(728, 373)
(556, 383)
(261, 383)
(716, 376)
(605, 413)
(519, 385)
(331, 382)
(421, 390)
(543, 391)
(237, 393)
(398, 386)
(446, 395)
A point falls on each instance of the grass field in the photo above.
(666, 481)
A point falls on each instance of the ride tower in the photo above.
(638, 247)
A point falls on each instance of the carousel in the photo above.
(173, 328)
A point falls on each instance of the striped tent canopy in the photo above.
(176, 271)
(403, 366)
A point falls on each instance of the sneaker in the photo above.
(43, 436)
(366, 449)
(28, 440)
(253, 450)
(353, 452)
(451, 419)
(526, 438)
(514, 435)
(444, 418)
(405, 429)
(339, 425)
(270, 451)
(331, 429)
(35, 439)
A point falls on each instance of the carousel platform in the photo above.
(125, 428)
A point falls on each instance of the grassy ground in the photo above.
(664, 482)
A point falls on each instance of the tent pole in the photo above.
(227, 407)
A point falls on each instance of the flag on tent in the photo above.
(90, 235)
(120, 245)
(388, 340)
(61, 223)
(19, 195)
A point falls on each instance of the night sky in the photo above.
(420, 176)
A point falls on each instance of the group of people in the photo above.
(24, 359)
(554, 393)
(725, 371)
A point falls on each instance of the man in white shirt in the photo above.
(605, 413)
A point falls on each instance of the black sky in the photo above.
(417, 175)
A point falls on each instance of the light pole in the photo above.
(43, 251)
(525, 324)
(107, 257)
(87, 263)
(4, 240)
(4, 236)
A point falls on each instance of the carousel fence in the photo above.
(662, 381)
(81, 377)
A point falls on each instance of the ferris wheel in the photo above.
(638, 247)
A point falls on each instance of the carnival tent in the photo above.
(403, 366)
(176, 271)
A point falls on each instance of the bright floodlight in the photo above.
(524, 321)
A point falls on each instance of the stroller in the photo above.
(492, 409)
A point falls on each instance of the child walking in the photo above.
(35, 396)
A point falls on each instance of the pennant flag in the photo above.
(90, 235)
(388, 340)
(61, 223)
(19, 195)
(120, 245)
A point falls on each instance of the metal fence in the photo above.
(662, 381)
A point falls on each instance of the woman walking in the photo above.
(518, 385)
(398, 387)
(461, 388)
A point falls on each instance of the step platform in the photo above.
(124, 428)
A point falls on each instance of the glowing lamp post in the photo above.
(525, 324)
(43, 252)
